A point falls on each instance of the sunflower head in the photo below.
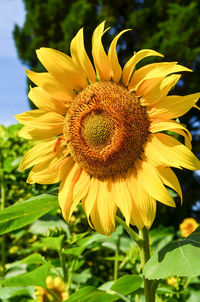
(105, 138)
(187, 226)
(56, 285)
(172, 281)
(105, 132)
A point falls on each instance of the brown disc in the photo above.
(106, 127)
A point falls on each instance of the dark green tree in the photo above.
(169, 26)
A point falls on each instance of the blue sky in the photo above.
(13, 99)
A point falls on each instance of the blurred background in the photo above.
(171, 27)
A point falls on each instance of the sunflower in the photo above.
(108, 134)
(187, 226)
(56, 285)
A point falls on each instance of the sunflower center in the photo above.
(96, 129)
(106, 127)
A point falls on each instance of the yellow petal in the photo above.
(149, 178)
(61, 67)
(95, 217)
(187, 141)
(130, 65)
(112, 55)
(51, 122)
(35, 134)
(104, 209)
(137, 216)
(169, 179)
(154, 70)
(40, 173)
(153, 90)
(123, 198)
(43, 179)
(195, 106)
(174, 106)
(157, 126)
(144, 206)
(90, 199)
(165, 150)
(52, 87)
(65, 195)
(80, 57)
(58, 161)
(43, 101)
(101, 60)
(80, 191)
(41, 152)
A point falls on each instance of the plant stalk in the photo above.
(116, 263)
(145, 255)
(63, 265)
(132, 234)
(142, 241)
(70, 274)
(54, 295)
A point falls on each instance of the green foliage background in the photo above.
(12, 149)
(94, 264)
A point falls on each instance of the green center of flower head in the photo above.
(96, 129)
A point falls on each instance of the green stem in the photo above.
(112, 292)
(149, 291)
(70, 274)
(63, 265)
(142, 241)
(116, 263)
(63, 262)
(54, 295)
(3, 201)
(133, 234)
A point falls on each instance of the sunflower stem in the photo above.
(70, 275)
(142, 241)
(63, 262)
(149, 291)
(116, 263)
(54, 295)
(130, 231)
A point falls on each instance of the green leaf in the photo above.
(53, 243)
(161, 236)
(19, 215)
(9, 292)
(36, 277)
(90, 239)
(91, 294)
(76, 237)
(127, 284)
(34, 258)
(106, 286)
(76, 251)
(165, 290)
(180, 258)
(121, 287)
(113, 258)
(47, 223)
(31, 259)
(82, 277)
(194, 297)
